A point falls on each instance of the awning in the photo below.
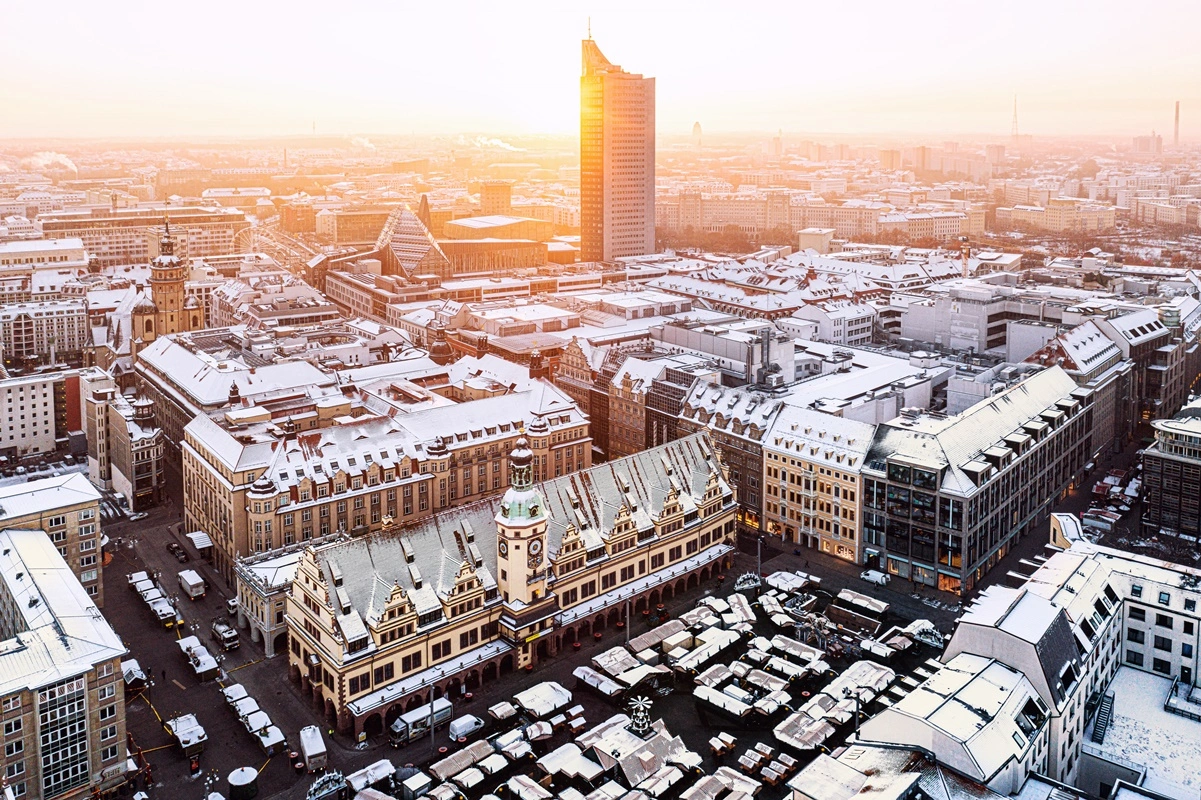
(200, 540)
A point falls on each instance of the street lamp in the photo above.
(848, 693)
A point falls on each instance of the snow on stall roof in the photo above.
(543, 699)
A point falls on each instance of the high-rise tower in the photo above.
(617, 160)
(1176, 130)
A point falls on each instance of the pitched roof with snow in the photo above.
(949, 443)
(432, 552)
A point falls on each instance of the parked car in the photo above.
(231, 605)
(181, 556)
(172, 547)
(139, 515)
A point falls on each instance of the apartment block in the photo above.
(45, 333)
(62, 694)
(67, 508)
(38, 412)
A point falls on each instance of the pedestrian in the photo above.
(164, 676)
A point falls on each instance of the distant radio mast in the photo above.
(1014, 130)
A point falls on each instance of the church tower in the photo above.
(168, 276)
(521, 533)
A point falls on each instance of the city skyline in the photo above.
(514, 70)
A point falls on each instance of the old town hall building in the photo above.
(377, 622)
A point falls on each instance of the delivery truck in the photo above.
(415, 724)
(191, 584)
(312, 748)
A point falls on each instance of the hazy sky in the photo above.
(113, 67)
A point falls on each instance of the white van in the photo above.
(464, 726)
(875, 576)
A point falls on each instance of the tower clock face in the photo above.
(536, 546)
(503, 547)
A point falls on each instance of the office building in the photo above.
(376, 623)
(25, 257)
(617, 160)
(644, 385)
(125, 447)
(62, 693)
(737, 421)
(496, 198)
(38, 413)
(255, 480)
(1095, 362)
(1059, 215)
(946, 497)
(116, 236)
(266, 302)
(1172, 477)
(1089, 669)
(348, 227)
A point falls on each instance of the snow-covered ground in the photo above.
(1168, 745)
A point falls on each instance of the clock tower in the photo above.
(168, 286)
(521, 533)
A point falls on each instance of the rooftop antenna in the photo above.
(1014, 131)
(589, 27)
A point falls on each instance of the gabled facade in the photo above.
(376, 623)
